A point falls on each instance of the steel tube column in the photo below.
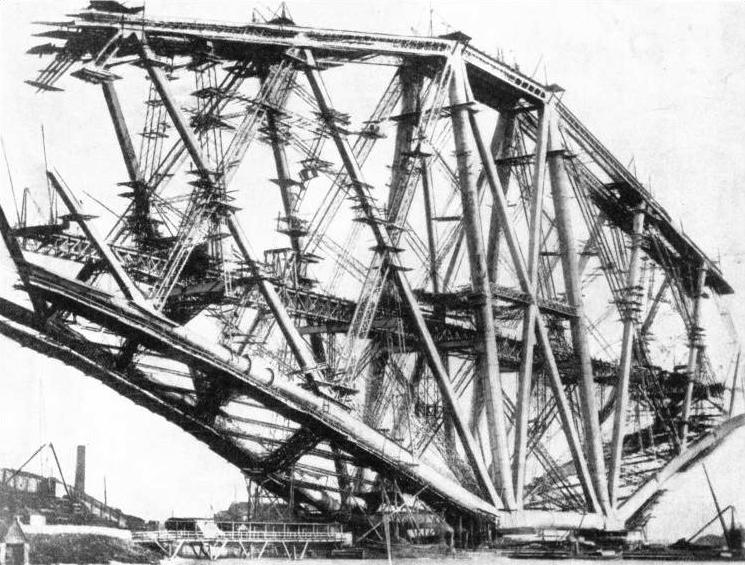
(284, 178)
(500, 143)
(624, 366)
(565, 411)
(417, 319)
(411, 86)
(141, 198)
(289, 191)
(561, 193)
(500, 147)
(522, 409)
(429, 219)
(121, 130)
(487, 361)
(16, 254)
(694, 353)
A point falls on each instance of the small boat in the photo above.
(538, 554)
(560, 552)
(348, 553)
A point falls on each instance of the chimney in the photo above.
(80, 470)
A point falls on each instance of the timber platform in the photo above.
(212, 540)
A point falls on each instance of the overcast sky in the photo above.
(662, 83)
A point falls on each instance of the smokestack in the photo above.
(80, 470)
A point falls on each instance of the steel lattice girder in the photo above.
(294, 402)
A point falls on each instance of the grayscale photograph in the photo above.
(372, 281)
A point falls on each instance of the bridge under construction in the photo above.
(372, 270)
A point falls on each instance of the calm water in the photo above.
(470, 559)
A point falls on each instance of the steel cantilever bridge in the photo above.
(460, 291)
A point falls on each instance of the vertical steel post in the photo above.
(501, 146)
(565, 411)
(561, 193)
(695, 345)
(624, 366)
(415, 314)
(143, 229)
(522, 409)
(429, 218)
(411, 85)
(487, 361)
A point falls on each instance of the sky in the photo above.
(660, 83)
